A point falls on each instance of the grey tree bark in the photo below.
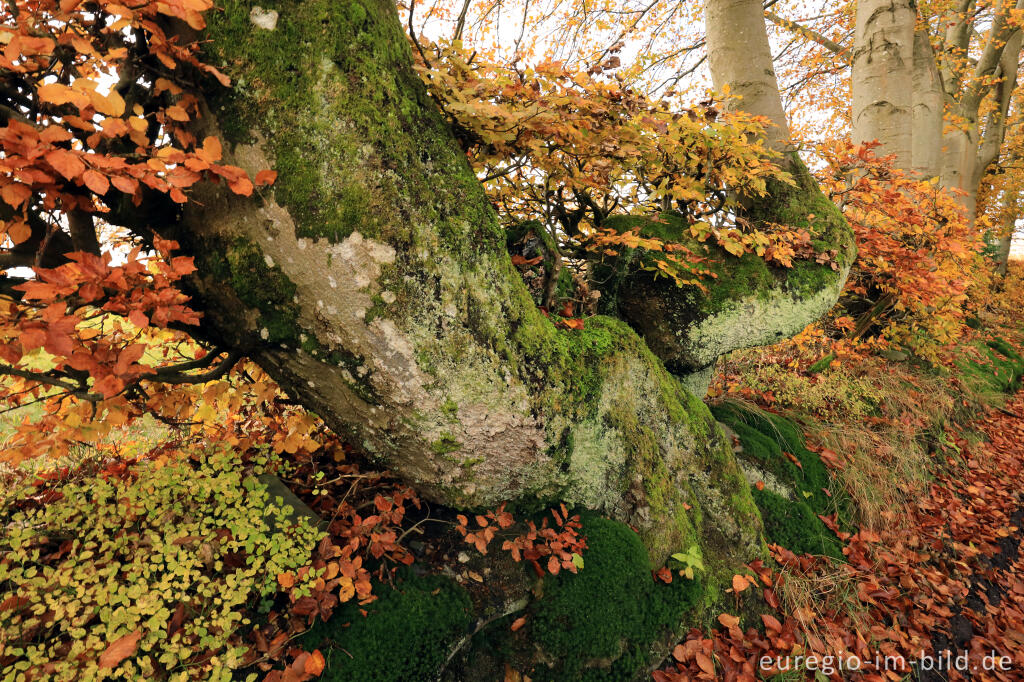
(926, 148)
(740, 60)
(883, 77)
(896, 72)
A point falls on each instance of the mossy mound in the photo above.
(1000, 370)
(748, 303)
(767, 440)
(610, 621)
(406, 634)
(735, 277)
(795, 526)
(600, 623)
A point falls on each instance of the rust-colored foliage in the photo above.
(952, 583)
(918, 256)
(557, 545)
(98, 119)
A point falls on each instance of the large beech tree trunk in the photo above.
(883, 76)
(901, 88)
(926, 148)
(373, 284)
(740, 59)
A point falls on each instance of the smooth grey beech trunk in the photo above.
(372, 282)
(901, 89)
(883, 76)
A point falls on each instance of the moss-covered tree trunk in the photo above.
(371, 281)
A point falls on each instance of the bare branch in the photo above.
(460, 24)
(175, 374)
(810, 34)
(991, 56)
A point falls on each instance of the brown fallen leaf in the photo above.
(728, 620)
(120, 649)
(315, 663)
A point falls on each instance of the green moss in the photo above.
(669, 315)
(800, 206)
(576, 363)
(445, 444)
(450, 408)
(1000, 371)
(733, 277)
(406, 634)
(646, 462)
(766, 439)
(600, 623)
(352, 131)
(1005, 349)
(573, 358)
(562, 451)
(803, 205)
(258, 283)
(651, 438)
(794, 525)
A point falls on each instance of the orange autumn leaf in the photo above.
(728, 620)
(315, 663)
(211, 151)
(177, 113)
(120, 649)
(19, 231)
(265, 177)
(15, 194)
(705, 663)
(96, 182)
(242, 186)
(58, 93)
(771, 622)
(65, 163)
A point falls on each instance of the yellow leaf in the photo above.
(108, 105)
(58, 93)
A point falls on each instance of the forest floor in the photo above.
(935, 596)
